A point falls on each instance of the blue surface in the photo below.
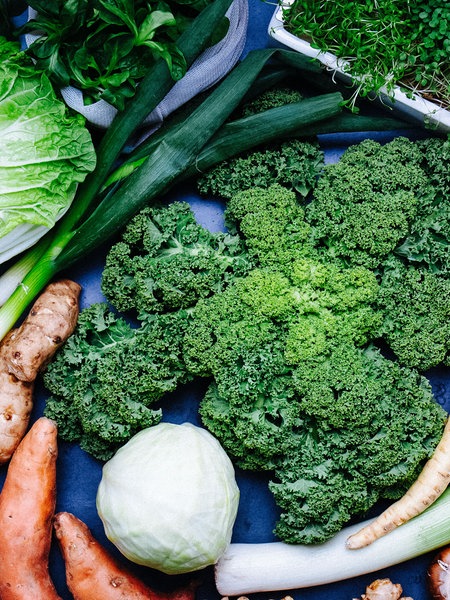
(79, 474)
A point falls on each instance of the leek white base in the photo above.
(250, 568)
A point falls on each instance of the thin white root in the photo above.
(430, 484)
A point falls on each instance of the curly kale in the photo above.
(109, 374)
(166, 261)
(294, 164)
(280, 315)
(271, 98)
(428, 243)
(272, 223)
(368, 425)
(364, 204)
(288, 372)
(416, 308)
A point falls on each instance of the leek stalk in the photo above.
(174, 153)
(250, 568)
(95, 216)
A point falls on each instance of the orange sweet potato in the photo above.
(92, 573)
(27, 506)
(25, 351)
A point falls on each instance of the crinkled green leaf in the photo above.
(44, 151)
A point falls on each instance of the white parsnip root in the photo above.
(25, 351)
(430, 484)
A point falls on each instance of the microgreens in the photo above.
(384, 42)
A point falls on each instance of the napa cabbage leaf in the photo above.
(45, 151)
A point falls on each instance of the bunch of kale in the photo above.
(287, 317)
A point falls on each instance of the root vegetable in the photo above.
(383, 589)
(92, 573)
(431, 483)
(25, 351)
(27, 505)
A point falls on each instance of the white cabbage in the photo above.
(168, 498)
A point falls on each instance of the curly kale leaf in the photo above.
(108, 374)
(272, 223)
(369, 424)
(428, 242)
(166, 261)
(416, 315)
(363, 205)
(294, 164)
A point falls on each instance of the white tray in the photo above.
(416, 108)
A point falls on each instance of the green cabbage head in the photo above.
(168, 498)
(45, 151)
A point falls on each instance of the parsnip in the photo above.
(27, 505)
(25, 351)
(430, 484)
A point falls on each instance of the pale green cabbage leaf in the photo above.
(168, 498)
(45, 152)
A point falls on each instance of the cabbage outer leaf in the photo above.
(44, 153)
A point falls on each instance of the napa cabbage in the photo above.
(45, 151)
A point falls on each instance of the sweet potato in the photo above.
(25, 351)
(27, 506)
(92, 573)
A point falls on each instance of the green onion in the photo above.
(251, 568)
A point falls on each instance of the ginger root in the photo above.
(25, 351)
(383, 589)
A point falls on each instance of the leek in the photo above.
(94, 218)
(250, 568)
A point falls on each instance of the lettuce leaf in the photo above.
(45, 151)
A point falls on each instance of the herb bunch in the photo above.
(104, 47)
(384, 43)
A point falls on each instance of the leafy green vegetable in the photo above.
(416, 309)
(368, 425)
(293, 164)
(272, 224)
(365, 204)
(428, 243)
(45, 153)
(166, 261)
(105, 47)
(110, 374)
(295, 388)
(278, 96)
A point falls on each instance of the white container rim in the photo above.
(416, 107)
